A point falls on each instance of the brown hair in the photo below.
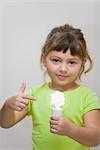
(65, 38)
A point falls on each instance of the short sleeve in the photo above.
(91, 102)
(30, 92)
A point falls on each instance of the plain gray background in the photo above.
(24, 26)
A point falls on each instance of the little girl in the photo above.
(64, 57)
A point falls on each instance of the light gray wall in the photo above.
(23, 28)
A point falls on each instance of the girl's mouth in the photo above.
(62, 77)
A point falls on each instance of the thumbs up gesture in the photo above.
(20, 100)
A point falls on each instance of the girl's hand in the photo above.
(19, 101)
(59, 125)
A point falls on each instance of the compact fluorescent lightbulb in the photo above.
(57, 100)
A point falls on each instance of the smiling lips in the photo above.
(62, 77)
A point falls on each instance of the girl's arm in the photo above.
(9, 117)
(15, 108)
(88, 135)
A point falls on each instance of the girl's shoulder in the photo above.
(37, 88)
(82, 89)
(83, 92)
(88, 94)
(86, 89)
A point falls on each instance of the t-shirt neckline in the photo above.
(69, 91)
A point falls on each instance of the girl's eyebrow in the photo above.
(55, 56)
(73, 58)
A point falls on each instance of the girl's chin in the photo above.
(61, 81)
(59, 84)
(63, 86)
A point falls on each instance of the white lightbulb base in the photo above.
(57, 112)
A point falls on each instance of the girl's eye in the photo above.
(72, 62)
(55, 61)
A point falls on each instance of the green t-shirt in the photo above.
(77, 103)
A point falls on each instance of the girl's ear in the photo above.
(42, 60)
(82, 67)
(85, 60)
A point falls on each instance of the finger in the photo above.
(22, 100)
(53, 122)
(25, 101)
(21, 105)
(29, 97)
(53, 126)
(53, 131)
(54, 117)
(18, 109)
(22, 88)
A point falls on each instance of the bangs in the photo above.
(64, 43)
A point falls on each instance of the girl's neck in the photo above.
(63, 88)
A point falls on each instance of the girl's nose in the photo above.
(63, 68)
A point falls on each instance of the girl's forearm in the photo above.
(88, 136)
(7, 118)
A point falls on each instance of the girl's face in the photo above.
(63, 69)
